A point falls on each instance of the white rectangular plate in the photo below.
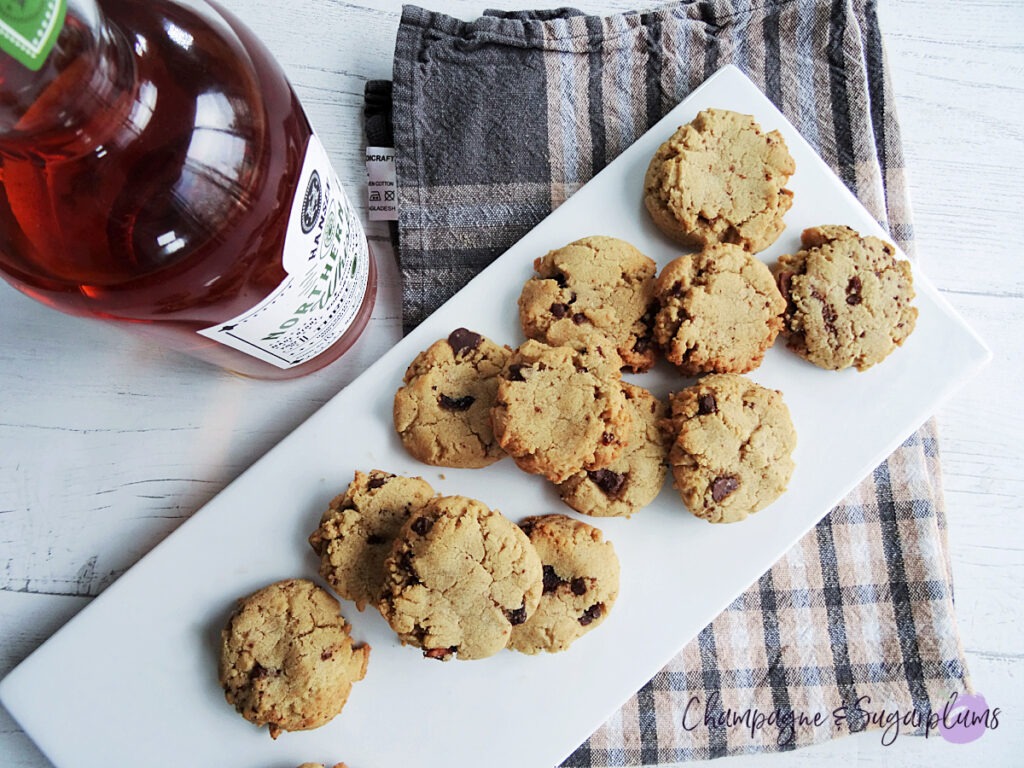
(132, 679)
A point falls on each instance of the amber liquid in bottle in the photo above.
(159, 196)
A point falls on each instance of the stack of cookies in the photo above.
(598, 307)
(458, 579)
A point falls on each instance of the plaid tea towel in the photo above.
(496, 122)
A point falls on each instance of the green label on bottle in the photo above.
(29, 28)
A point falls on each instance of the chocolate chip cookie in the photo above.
(287, 660)
(849, 298)
(596, 283)
(733, 446)
(581, 583)
(560, 410)
(720, 179)
(442, 413)
(634, 479)
(356, 532)
(719, 311)
(459, 578)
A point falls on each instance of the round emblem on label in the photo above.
(311, 203)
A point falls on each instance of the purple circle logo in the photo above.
(964, 718)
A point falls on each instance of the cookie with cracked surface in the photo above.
(357, 529)
(633, 480)
(459, 577)
(732, 451)
(561, 409)
(720, 179)
(849, 298)
(287, 660)
(581, 583)
(442, 412)
(719, 310)
(595, 283)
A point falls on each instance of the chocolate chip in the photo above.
(559, 310)
(853, 289)
(527, 526)
(518, 616)
(592, 613)
(375, 539)
(785, 282)
(515, 372)
(551, 579)
(607, 438)
(421, 525)
(609, 482)
(828, 312)
(578, 585)
(706, 404)
(405, 563)
(326, 655)
(456, 403)
(579, 318)
(377, 481)
(561, 279)
(258, 672)
(723, 486)
(462, 339)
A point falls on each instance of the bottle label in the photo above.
(29, 28)
(327, 260)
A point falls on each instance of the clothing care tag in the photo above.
(382, 184)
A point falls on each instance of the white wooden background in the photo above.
(106, 446)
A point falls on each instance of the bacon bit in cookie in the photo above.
(723, 486)
(462, 339)
(516, 617)
(609, 482)
(456, 403)
(591, 614)
(422, 525)
(707, 404)
(441, 654)
(551, 579)
(578, 585)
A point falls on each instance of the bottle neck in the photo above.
(83, 72)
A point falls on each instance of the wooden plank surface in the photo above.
(107, 444)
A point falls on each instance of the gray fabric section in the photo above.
(496, 122)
